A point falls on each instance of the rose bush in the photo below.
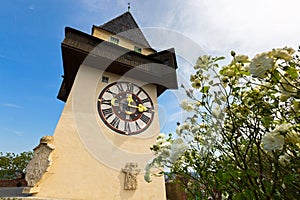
(242, 138)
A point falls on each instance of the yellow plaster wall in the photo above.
(76, 171)
(105, 35)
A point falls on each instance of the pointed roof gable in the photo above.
(125, 26)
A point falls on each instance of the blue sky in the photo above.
(32, 30)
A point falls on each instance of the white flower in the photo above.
(202, 62)
(284, 159)
(241, 58)
(292, 137)
(194, 129)
(185, 105)
(161, 135)
(260, 64)
(185, 126)
(165, 144)
(177, 149)
(272, 141)
(285, 53)
(181, 128)
(196, 83)
(283, 128)
(160, 141)
(165, 153)
(217, 112)
(148, 168)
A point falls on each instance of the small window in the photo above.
(137, 49)
(114, 40)
(105, 79)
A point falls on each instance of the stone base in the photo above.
(34, 198)
(30, 190)
(30, 198)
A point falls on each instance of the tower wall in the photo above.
(88, 157)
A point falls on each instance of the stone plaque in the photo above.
(40, 162)
(131, 171)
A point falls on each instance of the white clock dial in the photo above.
(125, 108)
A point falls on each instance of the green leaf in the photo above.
(219, 58)
(205, 89)
(276, 76)
(289, 178)
(238, 196)
(249, 194)
(292, 72)
(225, 177)
(247, 73)
(221, 72)
(251, 173)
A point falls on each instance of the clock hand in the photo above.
(129, 99)
(113, 101)
(128, 112)
(140, 107)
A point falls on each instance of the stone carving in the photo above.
(40, 162)
(131, 171)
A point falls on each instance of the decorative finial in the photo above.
(128, 6)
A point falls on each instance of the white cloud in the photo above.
(16, 132)
(251, 25)
(219, 26)
(224, 25)
(10, 105)
(31, 7)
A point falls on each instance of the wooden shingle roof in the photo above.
(126, 27)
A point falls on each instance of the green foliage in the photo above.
(12, 165)
(242, 140)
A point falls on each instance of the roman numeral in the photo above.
(137, 94)
(105, 101)
(111, 92)
(129, 87)
(149, 110)
(107, 112)
(120, 88)
(127, 127)
(115, 122)
(145, 119)
(137, 126)
(145, 100)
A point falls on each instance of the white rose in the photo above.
(217, 113)
(185, 105)
(272, 141)
(284, 159)
(177, 149)
(284, 53)
(283, 128)
(260, 64)
(241, 58)
(202, 62)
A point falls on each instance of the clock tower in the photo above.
(100, 147)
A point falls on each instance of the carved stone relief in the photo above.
(131, 171)
(40, 162)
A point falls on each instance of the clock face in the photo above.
(125, 108)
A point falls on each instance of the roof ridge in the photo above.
(122, 25)
(118, 17)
